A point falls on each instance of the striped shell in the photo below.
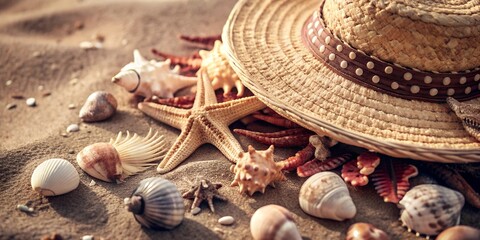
(55, 177)
(325, 195)
(429, 209)
(156, 203)
(273, 222)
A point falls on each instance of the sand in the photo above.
(40, 53)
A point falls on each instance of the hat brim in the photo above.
(263, 43)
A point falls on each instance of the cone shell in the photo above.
(325, 195)
(99, 106)
(156, 203)
(255, 170)
(429, 209)
(55, 177)
(273, 222)
(365, 231)
(459, 233)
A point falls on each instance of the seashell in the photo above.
(322, 146)
(429, 209)
(55, 177)
(122, 157)
(367, 162)
(325, 195)
(99, 106)
(226, 220)
(73, 128)
(31, 102)
(255, 170)
(217, 67)
(459, 233)
(365, 231)
(151, 78)
(156, 203)
(273, 222)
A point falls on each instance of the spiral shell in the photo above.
(429, 209)
(459, 233)
(55, 177)
(99, 106)
(365, 231)
(325, 195)
(156, 203)
(273, 222)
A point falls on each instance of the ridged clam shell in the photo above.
(156, 203)
(55, 177)
(273, 222)
(325, 195)
(99, 106)
(429, 209)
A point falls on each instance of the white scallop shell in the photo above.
(325, 195)
(273, 222)
(55, 177)
(159, 205)
(429, 209)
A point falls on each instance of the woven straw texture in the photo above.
(264, 45)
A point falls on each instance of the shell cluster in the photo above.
(429, 209)
(365, 231)
(99, 106)
(273, 222)
(156, 203)
(55, 177)
(325, 195)
(255, 170)
(122, 157)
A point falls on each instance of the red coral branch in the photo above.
(393, 187)
(351, 173)
(277, 121)
(189, 65)
(315, 166)
(292, 140)
(271, 112)
(179, 102)
(300, 158)
(208, 40)
(367, 162)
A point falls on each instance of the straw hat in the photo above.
(371, 73)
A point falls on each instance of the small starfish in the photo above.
(204, 190)
(206, 122)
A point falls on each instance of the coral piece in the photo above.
(217, 67)
(315, 166)
(322, 146)
(367, 162)
(189, 65)
(351, 174)
(469, 114)
(185, 102)
(454, 180)
(393, 187)
(277, 121)
(204, 190)
(300, 158)
(208, 41)
(206, 122)
(255, 170)
(365, 231)
(287, 138)
(151, 78)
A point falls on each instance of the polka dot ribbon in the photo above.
(393, 79)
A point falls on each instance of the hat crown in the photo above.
(430, 35)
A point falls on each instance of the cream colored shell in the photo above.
(325, 195)
(55, 177)
(273, 222)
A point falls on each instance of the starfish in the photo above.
(206, 122)
(205, 190)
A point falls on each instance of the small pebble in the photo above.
(46, 94)
(99, 37)
(36, 54)
(24, 208)
(227, 220)
(218, 230)
(124, 42)
(196, 211)
(87, 45)
(8, 83)
(11, 106)
(92, 183)
(71, 106)
(78, 25)
(71, 151)
(53, 236)
(73, 81)
(87, 237)
(64, 135)
(40, 88)
(31, 102)
(73, 128)
(17, 96)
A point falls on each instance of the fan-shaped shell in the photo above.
(273, 222)
(325, 195)
(429, 209)
(55, 177)
(156, 203)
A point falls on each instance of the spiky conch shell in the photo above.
(122, 157)
(55, 177)
(156, 203)
(218, 69)
(255, 170)
(325, 195)
(429, 209)
(273, 222)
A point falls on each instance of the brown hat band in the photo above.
(393, 79)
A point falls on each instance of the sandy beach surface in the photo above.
(40, 57)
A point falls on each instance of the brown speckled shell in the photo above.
(99, 106)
